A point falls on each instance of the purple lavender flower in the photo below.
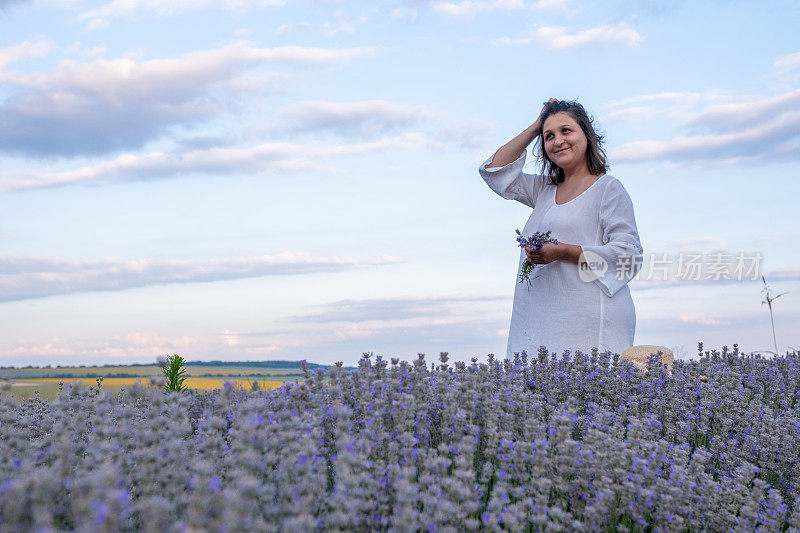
(575, 441)
(100, 512)
(535, 241)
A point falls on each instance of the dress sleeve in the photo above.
(619, 258)
(511, 182)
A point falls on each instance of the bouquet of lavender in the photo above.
(535, 241)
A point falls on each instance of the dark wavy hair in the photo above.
(595, 154)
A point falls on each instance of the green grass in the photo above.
(47, 391)
(146, 371)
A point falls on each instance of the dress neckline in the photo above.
(555, 189)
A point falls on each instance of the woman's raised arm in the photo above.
(510, 151)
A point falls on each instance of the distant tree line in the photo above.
(256, 364)
(224, 364)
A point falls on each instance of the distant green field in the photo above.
(151, 370)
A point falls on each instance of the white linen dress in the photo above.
(560, 310)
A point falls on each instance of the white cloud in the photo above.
(105, 105)
(388, 335)
(702, 242)
(293, 27)
(382, 309)
(779, 137)
(672, 105)
(784, 274)
(409, 10)
(391, 326)
(766, 128)
(671, 97)
(78, 49)
(373, 118)
(705, 319)
(97, 24)
(339, 330)
(738, 115)
(770, 241)
(264, 159)
(340, 23)
(360, 119)
(470, 135)
(121, 8)
(557, 37)
(23, 278)
(473, 7)
(24, 50)
(645, 281)
(317, 343)
(679, 320)
(638, 113)
(229, 338)
(134, 346)
(407, 13)
(787, 63)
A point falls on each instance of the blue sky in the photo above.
(249, 180)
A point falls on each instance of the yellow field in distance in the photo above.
(48, 387)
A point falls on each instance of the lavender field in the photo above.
(541, 443)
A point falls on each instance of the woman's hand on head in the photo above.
(544, 106)
(548, 253)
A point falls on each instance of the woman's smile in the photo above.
(564, 141)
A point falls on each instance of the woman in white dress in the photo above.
(578, 298)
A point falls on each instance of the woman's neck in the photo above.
(577, 173)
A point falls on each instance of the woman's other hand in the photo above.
(548, 253)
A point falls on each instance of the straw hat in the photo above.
(638, 355)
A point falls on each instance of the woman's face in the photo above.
(564, 141)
